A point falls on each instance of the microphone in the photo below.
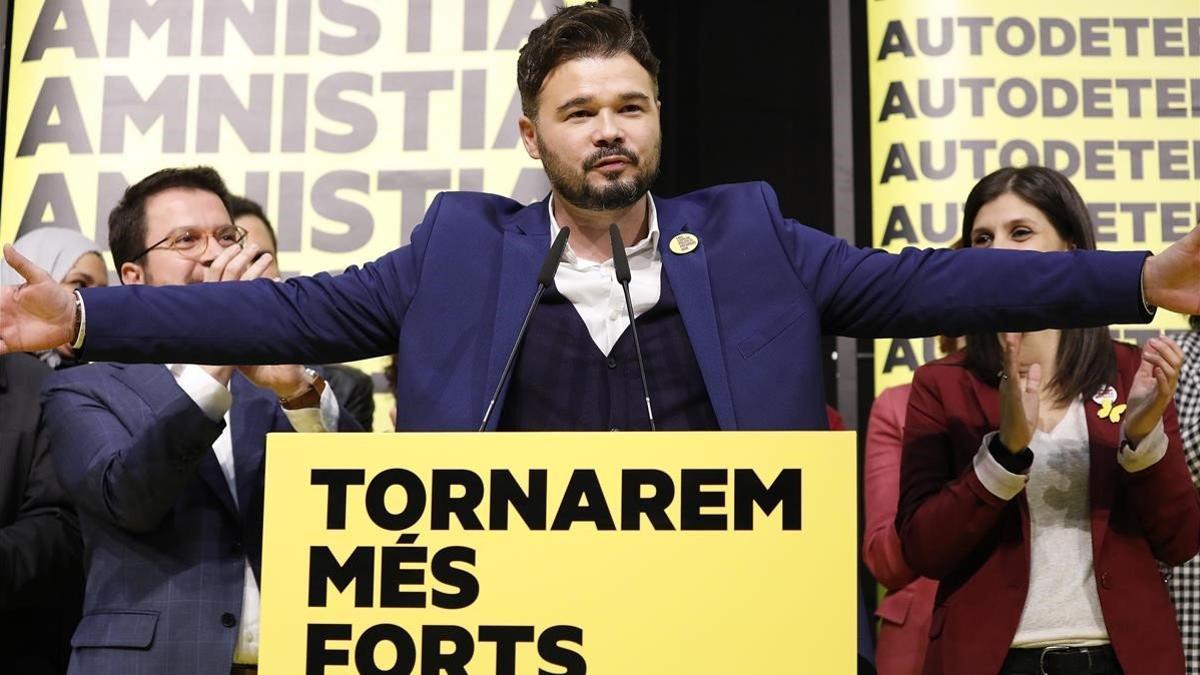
(544, 279)
(621, 268)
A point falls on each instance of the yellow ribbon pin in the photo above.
(1111, 412)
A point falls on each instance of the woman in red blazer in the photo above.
(1042, 477)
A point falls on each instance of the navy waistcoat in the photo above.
(562, 382)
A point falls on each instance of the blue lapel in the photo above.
(252, 417)
(155, 385)
(210, 470)
(688, 275)
(525, 244)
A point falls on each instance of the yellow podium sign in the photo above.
(559, 554)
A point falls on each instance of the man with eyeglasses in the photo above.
(165, 464)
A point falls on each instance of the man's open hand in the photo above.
(39, 314)
(1171, 279)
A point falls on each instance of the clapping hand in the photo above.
(1153, 387)
(238, 263)
(1018, 400)
(248, 263)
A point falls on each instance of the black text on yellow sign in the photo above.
(1108, 94)
(395, 576)
(558, 553)
(343, 119)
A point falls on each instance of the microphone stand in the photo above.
(621, 268)
(545, 278)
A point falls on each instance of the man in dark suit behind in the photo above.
(41, 576)
(165, 464)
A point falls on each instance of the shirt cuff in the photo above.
(998, 480)
(316, 420)
(1152, 448)
(78, 343)
(211, 396)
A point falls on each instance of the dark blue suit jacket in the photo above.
(164, 540)
(755, 297)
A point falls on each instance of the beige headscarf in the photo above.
(54, 249)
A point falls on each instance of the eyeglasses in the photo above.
(192, 242)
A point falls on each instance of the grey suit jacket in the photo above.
(164, 539)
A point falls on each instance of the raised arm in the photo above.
(130, 477)
(318, 319)
(1156, 478)
(945, 510)
(871, 293)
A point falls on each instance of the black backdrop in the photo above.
(746, 97)
(746, 91)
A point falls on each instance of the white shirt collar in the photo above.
(649, 243)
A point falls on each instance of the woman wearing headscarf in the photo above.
(66, 255)
(40, 568)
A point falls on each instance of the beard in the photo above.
(615, 192)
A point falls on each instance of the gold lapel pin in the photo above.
(684, 243)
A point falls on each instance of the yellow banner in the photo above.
(621, 554)
(1106, 92)
(343, 119)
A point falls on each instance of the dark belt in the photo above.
(239, 669)
(1098, 660)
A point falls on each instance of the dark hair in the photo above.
(577, 32)
(127, 220)
(240, 206)
(1085, 360)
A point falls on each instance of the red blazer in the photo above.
(906, 609)
(954, 530)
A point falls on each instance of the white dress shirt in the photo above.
(1062, 606)
(592, 287)
(215, 400)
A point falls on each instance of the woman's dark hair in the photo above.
(578, 32)
(1085, 360)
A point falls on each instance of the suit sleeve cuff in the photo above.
(316, 420)
(78, 343)
(998, 480)
(1149, 309)
(1147, 453)
(209, 395)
